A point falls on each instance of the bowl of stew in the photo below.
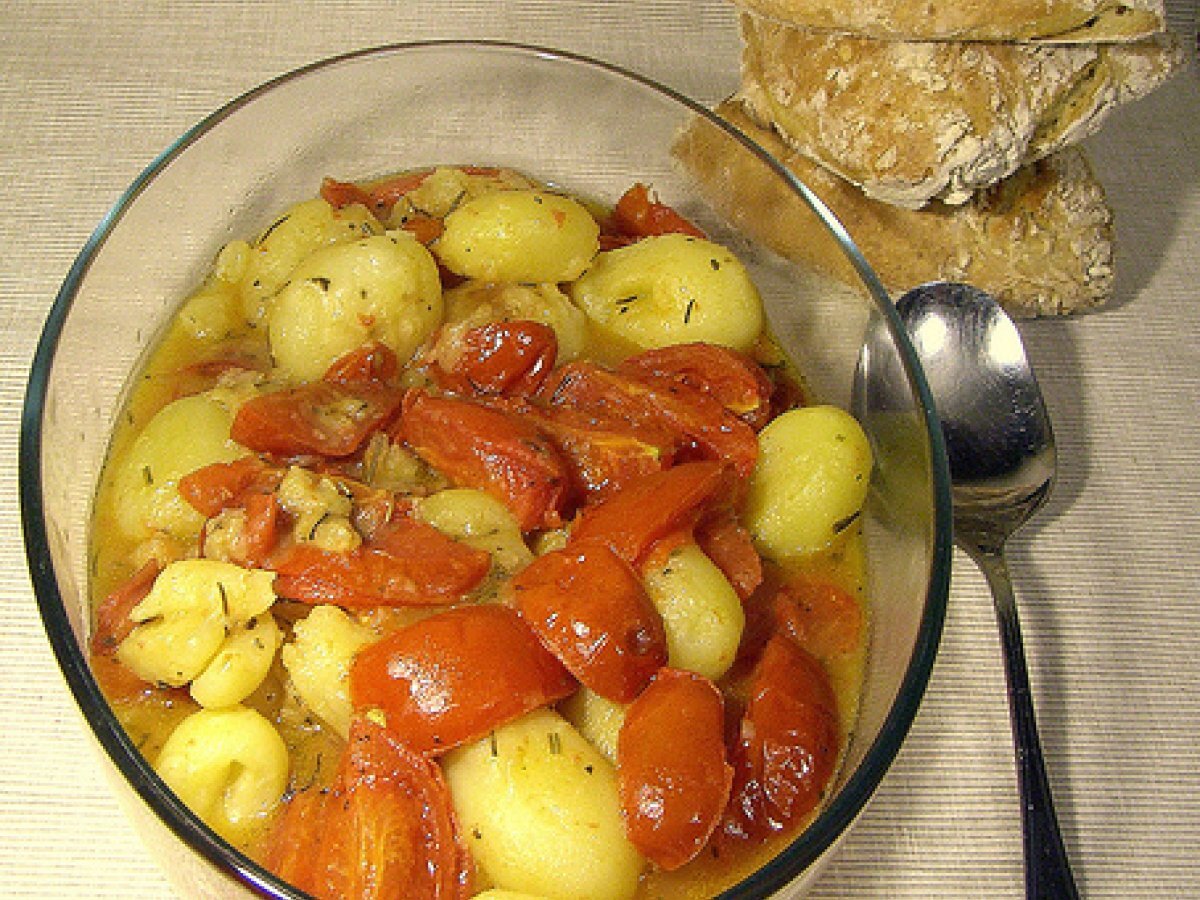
(434, 484)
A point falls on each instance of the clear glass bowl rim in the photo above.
(806, 849)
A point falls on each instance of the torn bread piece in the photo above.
(1055, 21)
(1040, 241)
(911, 122)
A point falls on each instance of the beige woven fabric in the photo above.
(1108, 578)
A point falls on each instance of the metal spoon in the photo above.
(1002, 466)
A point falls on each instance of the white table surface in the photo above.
(1108, 577)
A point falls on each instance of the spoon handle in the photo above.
(1047, 869)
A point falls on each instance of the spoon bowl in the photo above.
(1001, 451)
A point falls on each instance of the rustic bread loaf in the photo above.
(913, 121)
(1058, 21)
(1040, 241)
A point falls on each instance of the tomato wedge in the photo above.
(405, 563)
(788, 743)
(374, 361)
(590, 609)
(385, 829)
(733, 379)
(502, 358)
(603, 455)
(486, 448)
(321, 417)
(698, 420)
(218, 486)
(651, 508)
(640, 214)
(728, 544)
(453, 677)
(824, 619)
(673, 778)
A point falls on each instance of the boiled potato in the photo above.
(528, 236)
(192, 608)
(597, 718)
(229, 766)
(672, 289)
(318, 661)
(305, 227)
(539, 808)
(476, 303)
(240, 665)
(183, 436)
(701, 612)
(810, 481)
(496, 894)
(478, 520)
(383, 288)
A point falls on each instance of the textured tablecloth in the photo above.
(1108, 577)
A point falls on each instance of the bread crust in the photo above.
(1040, 241)
(914, 121)
(1051, 21)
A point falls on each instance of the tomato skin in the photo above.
(698, 421)
(486, 448)
(731, 378)
(728, 544)
(603, 455)
(385, 829)
(674, 780)
(651, 508)
(319, 417)
(451, 678)
(379, 196)
(112, 626)
(824, 619)
(511, 358)
(590, 609)
(219, 486)
(374, 361)
(789, 739)
(640, 214)
(406, 563)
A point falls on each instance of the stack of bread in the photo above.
(944, 133)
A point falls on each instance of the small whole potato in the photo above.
(810, 481)
(523, 236)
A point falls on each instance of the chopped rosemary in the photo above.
(555, 743)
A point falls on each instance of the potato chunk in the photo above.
(318, 661)
(539, 808)
(527, 236)
(701, 612)
(383, 288)
(183, 436)
(229, 766)
(810, 481)
(672, 289)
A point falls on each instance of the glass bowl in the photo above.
(579, 124)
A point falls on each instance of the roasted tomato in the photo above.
(673, 777)
(728, 544)
(787, 746)
(603, 454)
(450, 679)
(651, 508)
(485, 448)
(385, 829)
(372, 362)
(731, 378)
(640, 214)
(221, 485)
(320, 417)
(405, 563)
(590, 609)
(502, 358)
(699, 420)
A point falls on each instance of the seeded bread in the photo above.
(1056, 21)
(1040, 241)
(913, 121)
